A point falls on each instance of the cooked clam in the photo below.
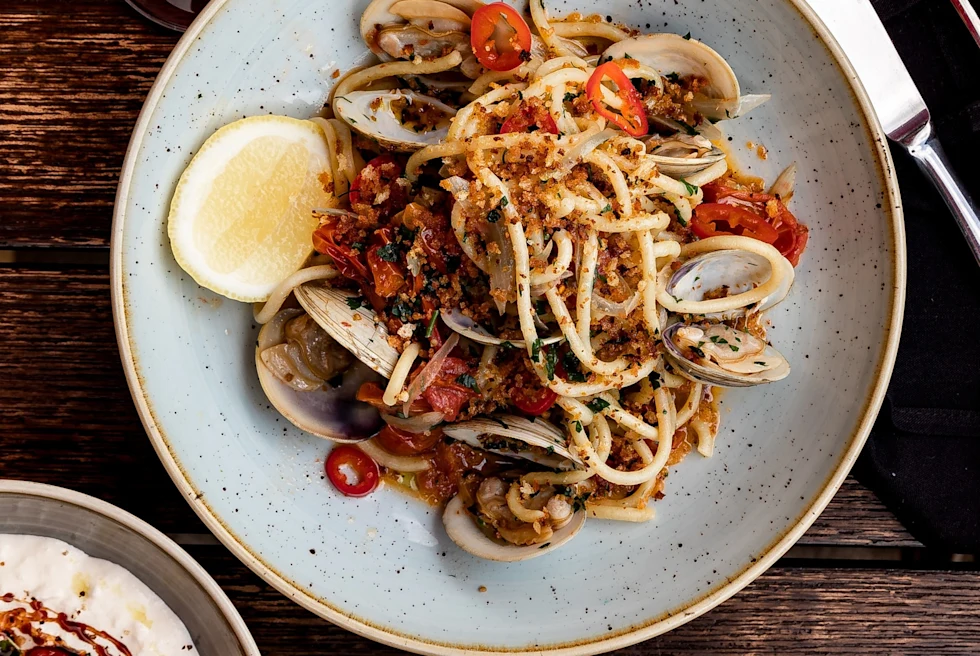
(537, 441)
(467, 327)
(717, 354)
(312, 381)
(437, 17)
(729, 273)
(682, 155)
(355, 328)
(720, 96)
(408, 41)
(461, 526)
(398, 119)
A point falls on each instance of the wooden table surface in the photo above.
(73, 75)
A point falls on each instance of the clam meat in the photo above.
(397, 119)
(717, 354)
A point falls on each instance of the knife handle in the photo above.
(928, 153)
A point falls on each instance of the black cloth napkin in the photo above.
(923, 456)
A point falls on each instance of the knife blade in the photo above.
(900, 108)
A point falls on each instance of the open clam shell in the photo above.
(327, 411)
(435, 15)
(398, 119)
(719, 99)
(462, 529)
(355, 328)
(551, 443)
(743, 360)
(467, 327)
(731, 270)
(683, 155)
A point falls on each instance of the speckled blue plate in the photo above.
(382, 566)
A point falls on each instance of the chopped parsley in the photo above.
(354, 302)
(569, 96)
(572, 371)
(536, 350)
(357, 246)
(493, 216)
(654, 379)
(389, 252)
(718, 340)
(467, 380)
(402, 310)
(691, 189)
(506, 345)
(550, 361)
(578, 426)
(607, 208)
(432, 324)
(733, 347)
(597, 405)
(504, 202)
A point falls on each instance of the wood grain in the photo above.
(63, 394)
(74, 76)
(788, 610)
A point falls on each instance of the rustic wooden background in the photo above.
(73, 75)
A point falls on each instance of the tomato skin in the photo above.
(388, 276)
(445, 394)
(378, 175)
(347, 260)
(372, 392)
(633, 117)
(533, 401)
(528, 115)
(792, 236)
(713, 219)
(402, 443)
(487, 47)
(368, 473)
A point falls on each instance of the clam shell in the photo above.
(462, 529)
(331, 412)
(357, 330)
(371, 114)
(379, 15)
(538, 433)
(713, 375)
(739, 270)
(465, 326)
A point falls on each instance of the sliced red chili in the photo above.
(500, 37)
(530, 116)
(632, 117)
(714, 219)
(353, 472)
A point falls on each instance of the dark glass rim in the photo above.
(163, 13)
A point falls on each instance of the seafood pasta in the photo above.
(534, 269)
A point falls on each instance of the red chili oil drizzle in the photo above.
(23, 620)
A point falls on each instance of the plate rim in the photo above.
(151, 533)
(586, 647)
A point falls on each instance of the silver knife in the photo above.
(899, 105)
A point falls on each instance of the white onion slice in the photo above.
(420, 424)
(429, 372)
(586, 145)
(619, 309)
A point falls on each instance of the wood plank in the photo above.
(75, 73)
(63, 394)
(788, 610)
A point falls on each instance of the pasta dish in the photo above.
(533, 270)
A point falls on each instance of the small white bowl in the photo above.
(103, 531)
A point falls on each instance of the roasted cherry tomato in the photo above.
(353, 472)
(402, 443)
(792, 235)
(534, 400)
(500, 37)
(529, 118)
(632, 117)
(713, 219)
(446, 394)
(347, 260)
(372, 392)
(383, 258)
(377, 188)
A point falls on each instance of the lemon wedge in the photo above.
(241, 217)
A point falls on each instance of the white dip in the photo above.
(92, 591)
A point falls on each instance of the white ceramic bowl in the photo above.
(381, 566)
(103, 531)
